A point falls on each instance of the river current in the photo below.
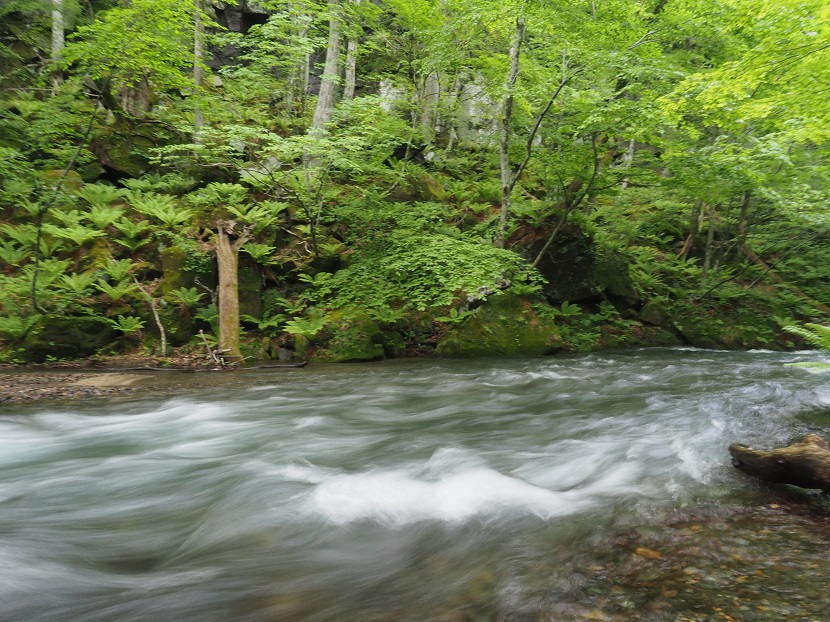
(580, 487)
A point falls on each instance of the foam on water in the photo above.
(398, 498)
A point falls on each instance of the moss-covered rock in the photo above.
(568, 266)
(250, 289)
(181, 265)
(504, 325)
(62, 337)
(350, 338)
(734, 327)
(611, 276)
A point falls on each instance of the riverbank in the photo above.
(87, 378)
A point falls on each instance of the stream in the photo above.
(578, 487)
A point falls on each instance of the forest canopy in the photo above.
(355, 179)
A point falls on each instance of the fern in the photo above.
(816, 335)
(127, 324)
(307, 327)
(118, 291)
(187, 297)
(78, 283)
(17, 326)
(102, 216)
(118, 270)
(11, 254)
(100, 194)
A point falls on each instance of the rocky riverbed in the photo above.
(114, 376)
(27, 386)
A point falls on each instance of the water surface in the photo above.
(566, 488)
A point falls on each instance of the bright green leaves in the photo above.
(778, 82)
(148, 40)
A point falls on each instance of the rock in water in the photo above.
(805, 464)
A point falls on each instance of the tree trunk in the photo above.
(350, 71)
(709, 251)
(228, 242)
(743, 218)
(198, 70)
(299, 76)
(430, 96)
(328, 84)
(57, 39)
(507, 177)
(694, 229)
(805, 464)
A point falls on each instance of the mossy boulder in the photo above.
(350, 338)
(611, 276)
(568, 266)
(62, 337)
(181, 265)
(504, 325)
(733, 327)
(250, 289)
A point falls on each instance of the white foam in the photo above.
(398, 498)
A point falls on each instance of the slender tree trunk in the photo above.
(429, 102)
(298, 81)
(694, 229)
(709, 251)
(198, 70)
(743, 218)
(627, 161)
(228, 242)
(57, 39)
(328, 84)
(350, 72)
(507, 177)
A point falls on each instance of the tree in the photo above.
(229, 239)
(330, 78)
(143, 50)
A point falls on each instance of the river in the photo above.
(580, 487)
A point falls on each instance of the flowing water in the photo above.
(591, 487)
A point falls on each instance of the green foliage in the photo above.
(161, 207)
(99, 195)
(12, 254)
(118, 270)
(145, 40)
(102, 216)
(816, 335)
(78, 283)
(187, 297)
(418, 271)
(308, 326)
(260, 253)
(210, 315)
(270, 325)
(127, 324)
(117, 291)
(16, 327)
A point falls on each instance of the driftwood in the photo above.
(805, 464)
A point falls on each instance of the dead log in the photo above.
(805, 464)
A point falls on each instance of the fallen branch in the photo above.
(805, 464)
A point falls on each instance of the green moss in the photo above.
(351, 338)
(62, 337)
(504, 325)
(733, 327)
(250, 289)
